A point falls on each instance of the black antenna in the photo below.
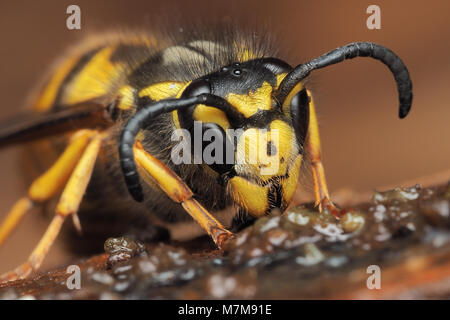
(142, 119)
(350, 51)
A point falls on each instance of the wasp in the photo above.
(109, 109)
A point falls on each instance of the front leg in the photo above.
(178, 191)
(313, 149)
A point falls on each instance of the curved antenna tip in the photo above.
(404, 109)
(403, 113)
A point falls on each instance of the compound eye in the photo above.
(300, 100)
(220, 159)
(197, 87)
(299, 109)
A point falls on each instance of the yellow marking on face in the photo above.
(126, 100)
(210, 114)
(249, 104)
(48, 96)
(254, 198)
(175, 119)
(250, 196)
(287, 102)
(252, 151)
(290, 184)
(95, 79)
(286, 147)
(161, 90)
(280, 77)
(252, 146)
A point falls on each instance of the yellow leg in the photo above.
(13, 218)
(48, 184)
(68, 204)
(313, 150)
(179, 192)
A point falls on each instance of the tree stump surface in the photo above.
(403, 233)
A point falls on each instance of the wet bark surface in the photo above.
(301, 254)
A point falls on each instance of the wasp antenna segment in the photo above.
(350, 51)
(137, 122)
(143, 117)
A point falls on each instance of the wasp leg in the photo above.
(179, 192)
(14, 216)
(315, 159)
(48, 184)
(68, 205)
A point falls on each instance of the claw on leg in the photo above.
(312, 145)
(221, 236)
(326, 204)
(21, 272)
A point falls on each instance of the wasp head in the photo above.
(261, 138)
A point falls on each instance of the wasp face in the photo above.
(261, 138)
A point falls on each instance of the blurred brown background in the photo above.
(365, 145)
